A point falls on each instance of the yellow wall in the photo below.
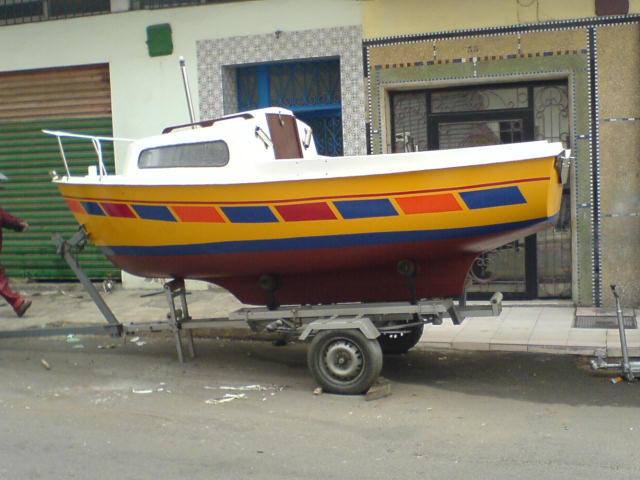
(385, 18)
(512, 55)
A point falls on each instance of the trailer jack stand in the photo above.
(65, 250)
(175, 288)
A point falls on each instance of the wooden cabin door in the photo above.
(284, 135)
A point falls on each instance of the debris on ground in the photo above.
(45, 364)
(71, 338)
(242, 388)
(142, 390)
(70, 295)
(228, 397)
(107, 285)
(380, 389)
(247, 388)
(160, 388)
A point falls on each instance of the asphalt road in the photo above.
(134, 412)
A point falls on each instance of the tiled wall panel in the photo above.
(218, 57)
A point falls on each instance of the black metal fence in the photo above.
(27, 11)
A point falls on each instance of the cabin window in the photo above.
(203, 154)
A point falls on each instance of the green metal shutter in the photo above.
(75, 99)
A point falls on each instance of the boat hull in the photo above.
(325, 240)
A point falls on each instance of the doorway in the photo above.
(538, 266)
(310, 89)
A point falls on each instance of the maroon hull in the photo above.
(437, 279)
(328, 275)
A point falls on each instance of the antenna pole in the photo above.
(183, 68)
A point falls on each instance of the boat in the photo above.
(247, 203)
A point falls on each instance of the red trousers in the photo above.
(13, 298)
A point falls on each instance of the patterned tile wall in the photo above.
(218, 58)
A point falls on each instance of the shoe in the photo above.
(20, 311)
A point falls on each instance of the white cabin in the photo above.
(270, 145)
(261, 135)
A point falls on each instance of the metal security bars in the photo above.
(153, 4)
(75, 99)
(311, 89)
(538, 266)
(27, 11)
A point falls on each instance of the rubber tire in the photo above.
(350, 342)
(401, 344)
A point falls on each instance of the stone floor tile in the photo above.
(587, 336)
(470, 345)
(508, 347)
(543, 348)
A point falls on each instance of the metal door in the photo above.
(311, 89)
(532, 267)
(73, 99)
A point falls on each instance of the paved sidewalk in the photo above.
(542, 328)
(526, 327)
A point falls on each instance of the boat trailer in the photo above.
(347, 340)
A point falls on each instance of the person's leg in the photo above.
(17, 301)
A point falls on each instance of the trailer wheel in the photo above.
(344, 361)
(397, 343)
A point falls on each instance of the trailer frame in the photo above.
(345, 355)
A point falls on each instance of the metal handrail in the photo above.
(95, 140)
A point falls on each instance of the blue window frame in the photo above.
(310, 89)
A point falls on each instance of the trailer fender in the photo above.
(364, 324)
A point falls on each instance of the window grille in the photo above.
(494, 114)
(28, 11)
(311, 89)
(153, 4)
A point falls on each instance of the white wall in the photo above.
(147, 93)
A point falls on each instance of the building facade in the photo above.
(370, 76)
(524, 70)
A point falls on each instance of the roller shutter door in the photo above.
(75, 99)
